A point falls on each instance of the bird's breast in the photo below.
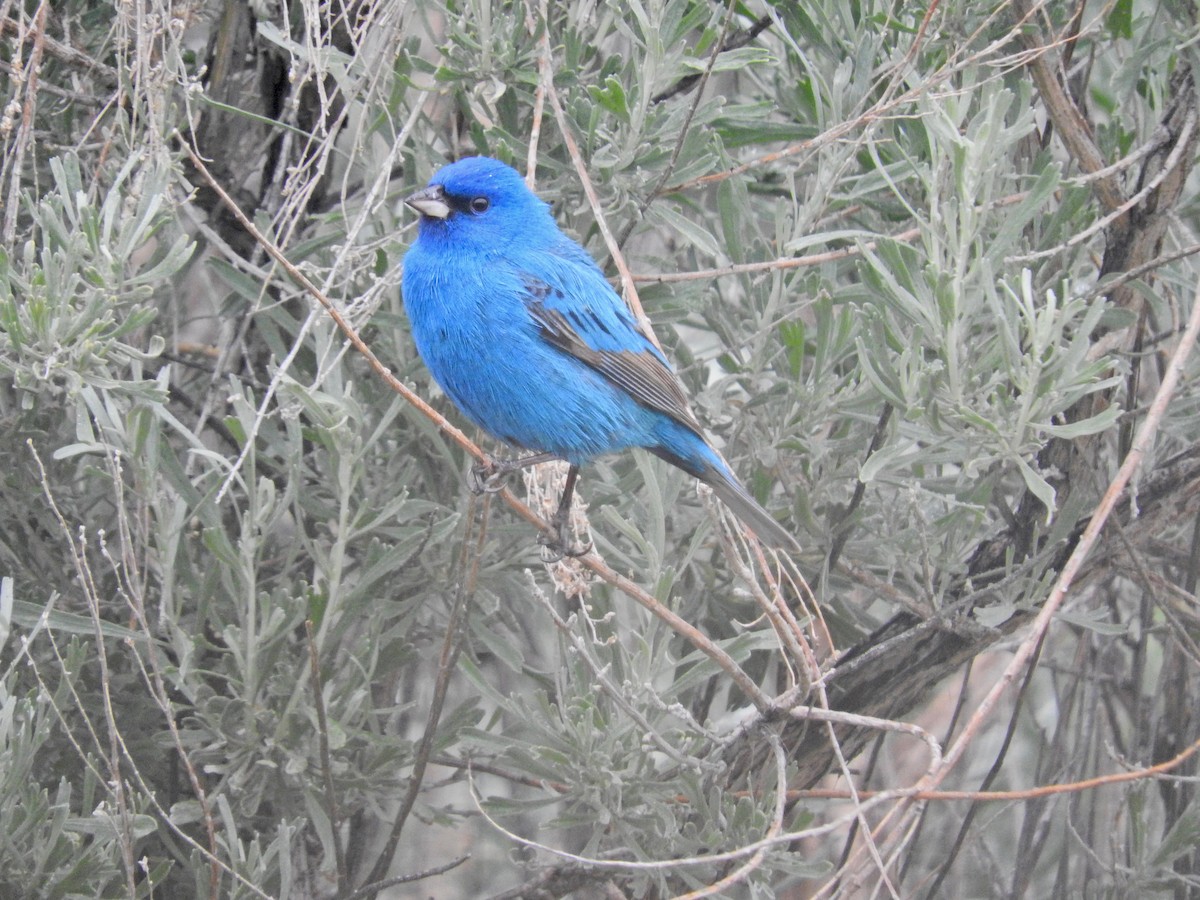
(473, 326)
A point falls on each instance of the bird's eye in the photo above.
(480, 205)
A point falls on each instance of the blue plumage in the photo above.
(524, 333)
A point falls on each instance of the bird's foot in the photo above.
(488, 477)
(559, 545)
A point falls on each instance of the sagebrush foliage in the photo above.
(247, 618)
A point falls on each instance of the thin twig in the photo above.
(628, 288)
(15, 158)
(1013, 796)
(468, 569)
(959, 704)
(750, 849)
(1129, 466)
(771, 600)
(743, 871)
(946, 862)
(1182, 147)
(539, 92)
(66, 53)
(739, 40)
(134, 594)
(1068, 120)
(370, 890)
(148, 793)
(841, 528)
(1110, 284)
(113, 758)
(335, 819)
(868, 836)
(303, 281)
(604, 683)
(781, 264)
(656, 191)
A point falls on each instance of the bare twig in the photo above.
(734, 42)
(1068, 120)
(1182, 146)
(656, 191)
(539, 92)
(133, 592)
(964, 827)
(776, 839)
(743, 871)
(468, 575)
(29, 82)
(1108, 285)
(771, 265)
(1014, 796)
(628, 289)
(113, 758)
(335, 818)
(303, 281)
(370, 890)
(841, 528)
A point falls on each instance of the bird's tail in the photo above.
(746, 508)
(706, 464)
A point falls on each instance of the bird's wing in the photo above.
(604, 335)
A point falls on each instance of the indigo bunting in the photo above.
(521, 329)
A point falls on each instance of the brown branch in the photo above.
(1013, 796)
(20, 144)
(1068, 120)
(656, 191)
(628, 289)
(782, 264)
(741, 39)
(468, 569)
(370, 890)
(335, 819)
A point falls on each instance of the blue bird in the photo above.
(521, 329)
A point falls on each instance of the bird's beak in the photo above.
(430, 201)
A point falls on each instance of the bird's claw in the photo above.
(553, 551)
(559, 546)
(487, 478)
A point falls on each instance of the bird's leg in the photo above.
(488, 477)
(558, 545)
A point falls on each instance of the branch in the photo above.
(1067, 119)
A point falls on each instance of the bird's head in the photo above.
(481, 203)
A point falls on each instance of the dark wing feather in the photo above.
(642, 374)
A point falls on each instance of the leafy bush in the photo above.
(922, 272)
